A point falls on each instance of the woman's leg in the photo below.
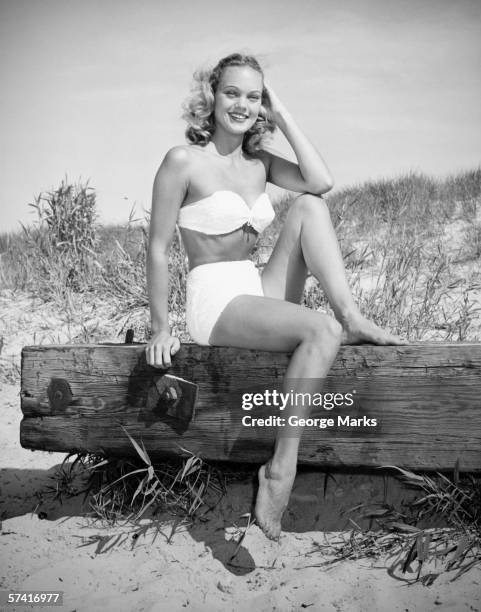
(308, 242)
(276, 325)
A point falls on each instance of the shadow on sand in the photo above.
(320, 502)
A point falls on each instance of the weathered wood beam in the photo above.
(425, 399)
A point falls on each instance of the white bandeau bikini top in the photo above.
(225, 211)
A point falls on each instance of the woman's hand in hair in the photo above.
(276, 107)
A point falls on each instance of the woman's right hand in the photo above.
(160, 348)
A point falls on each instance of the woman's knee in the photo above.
(322, 330)
(308, 204)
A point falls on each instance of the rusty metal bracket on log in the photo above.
(172, 396)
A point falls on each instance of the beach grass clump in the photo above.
(122, 265)
(122, 278)
(464, 187)
(123, 491)
(58, 252)
(438, 531)
(69, 213)
(127, 490)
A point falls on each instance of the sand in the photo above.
(124, 569)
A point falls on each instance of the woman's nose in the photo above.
(241, 103)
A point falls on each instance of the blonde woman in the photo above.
(214, 189)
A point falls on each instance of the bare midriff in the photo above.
(211, 248)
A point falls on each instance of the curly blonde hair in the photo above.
(199, 106)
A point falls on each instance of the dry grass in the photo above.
(190, 489)
(402, 261)
(128, 490)
(402, 539)
(57, 254)
(432, 551)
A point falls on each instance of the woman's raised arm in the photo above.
(170, 186)
(311, 173)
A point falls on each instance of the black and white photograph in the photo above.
(240, 306)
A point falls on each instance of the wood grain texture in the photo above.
(425, 398)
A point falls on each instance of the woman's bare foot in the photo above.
(359, 330)
(272, 499)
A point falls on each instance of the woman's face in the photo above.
(238, 99)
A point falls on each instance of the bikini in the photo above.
(210, 287)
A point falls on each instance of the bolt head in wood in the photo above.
(59, 394)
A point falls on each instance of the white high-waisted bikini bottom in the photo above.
(210, 287)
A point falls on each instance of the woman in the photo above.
(214, 189)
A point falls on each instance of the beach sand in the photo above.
(51, 545)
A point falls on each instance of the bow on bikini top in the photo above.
(225, 211)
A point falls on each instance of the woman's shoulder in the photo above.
(178, 161)
(179, 155)
(182, 156)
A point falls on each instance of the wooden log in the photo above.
(425, 400)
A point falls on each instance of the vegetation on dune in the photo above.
(57, 254)
(408, 243)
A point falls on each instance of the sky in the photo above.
(93, 90)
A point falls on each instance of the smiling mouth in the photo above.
(238, 117)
